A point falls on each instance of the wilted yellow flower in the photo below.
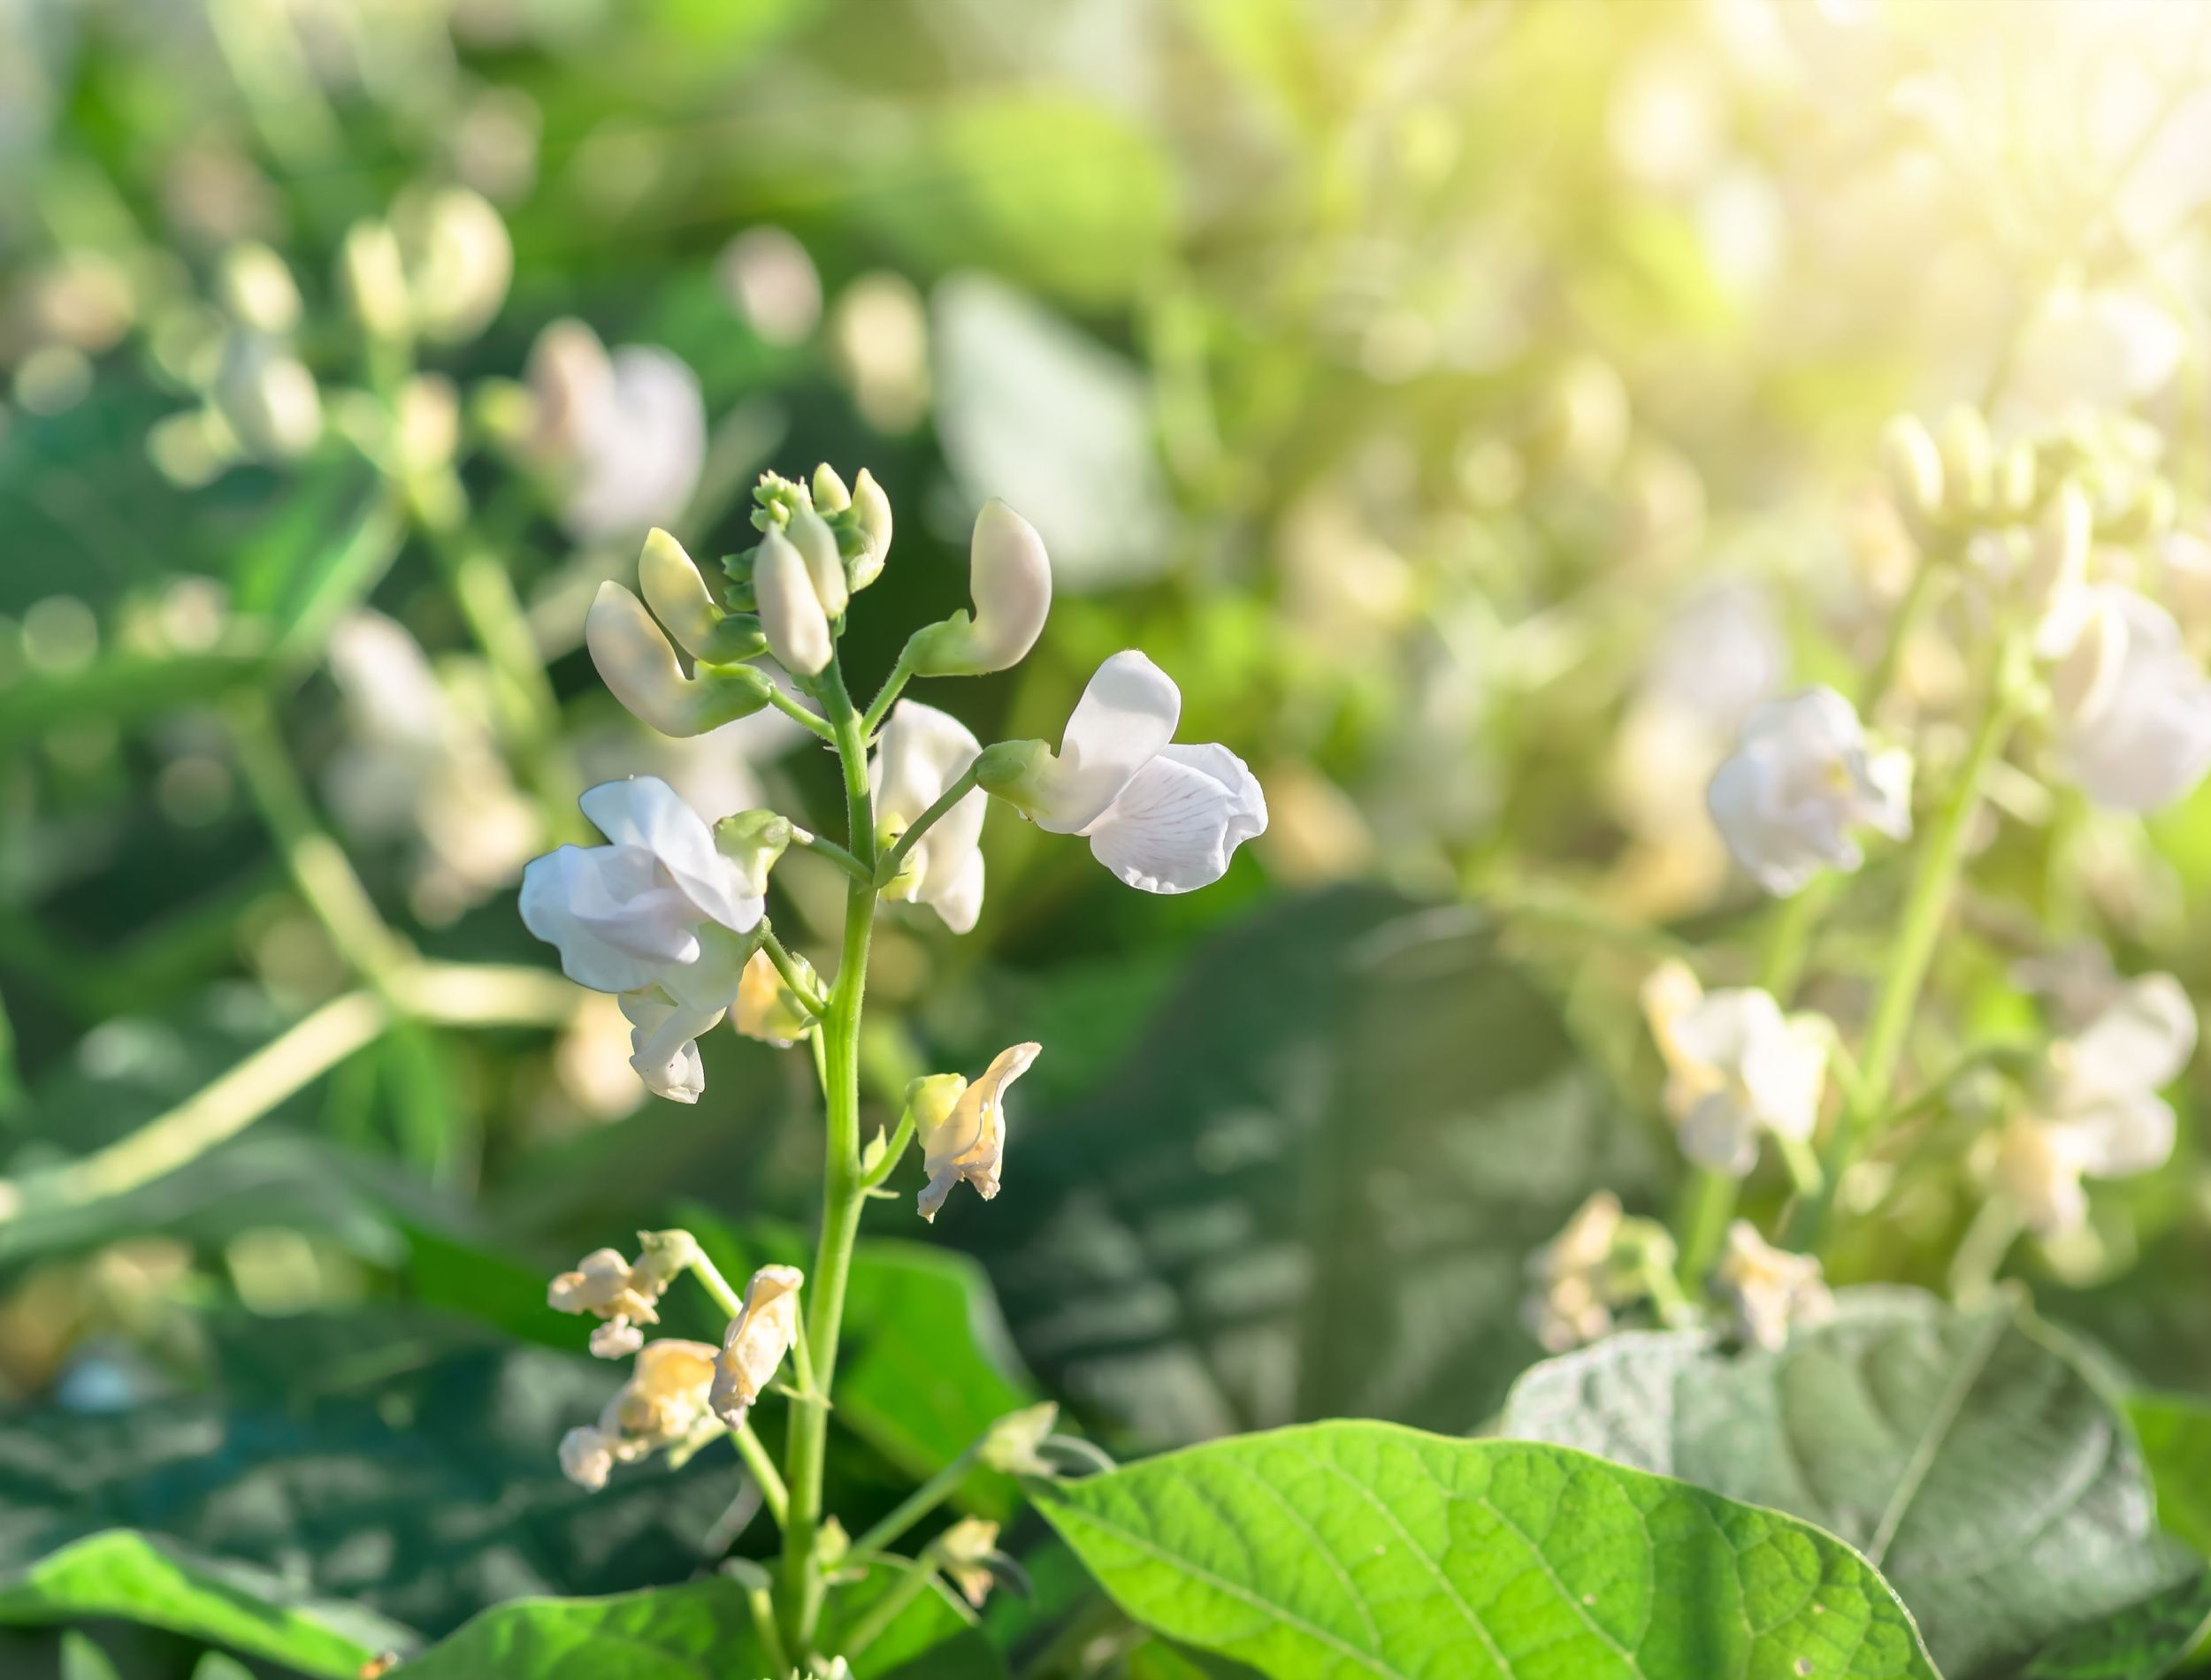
(758, 1338)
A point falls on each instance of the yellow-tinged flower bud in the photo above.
(766, 1008)
(1968, 461)
(790, 610)
(679, 598)
(830, 494)
(637, 663)
(1009, 577)
(1011, 1444)
(816, 544)
(872, 507)
(1913, 467)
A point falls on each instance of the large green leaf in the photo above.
(1345, 1549)
(394, 1461)
(1313, 1187)
(132, 1577)
(2175, 1430)
(1968, 1454)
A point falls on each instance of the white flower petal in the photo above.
(644, 810)
(923, 753)
(790, 615)
(601, 907)
(1127, 715)
(1720, 1135)
(1009, 577)
(1180, 819)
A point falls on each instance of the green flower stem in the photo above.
(772, 1491)
(792, 975)
(893, 1152)
(887, 870)
(843, 1195)
(893, 1605)
(318, 864)
(1982, 1250)
(1926, 909)
(805, 714)
(834, 852)
(1802, 1162)
(770, 1636)
(1707, 1209)
(711, 1279)
(916, 1505)
(879, 708)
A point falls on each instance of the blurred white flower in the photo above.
(1801, 777)
(457, 258)
(267, 398)
(922, 753)
(419, 763)
(966, 1550)
(1009, 579)
(2133, 705)
(1163, 818)
(1736, 1067)
(664, 1403)
(879, 341)
(1770, 1290)
(2097, 1113)
(1575, 1282)
(754, 1346)
(961, 1127)
(2086, 352)
(771, 284)
(622, 438)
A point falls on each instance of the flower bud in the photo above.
(259, 291)
(636, 662)
(966, 1550)
(872, 509)
(1011, 1444)
(1009, 576)
(830, 494)
(269, 399)
(375, 279)
(1913, 466)
(679, 598)
(753, 840)
(2058, 564)
(1968, 461)
(816, 544)
(2016, 474)
(790, 613)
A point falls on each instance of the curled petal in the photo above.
(1180, 819)
(664, 1044)
(1126, 717)
(616, 924)
(758, 1338)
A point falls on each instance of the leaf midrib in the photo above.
(1947, 1412)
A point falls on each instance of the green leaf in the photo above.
(1311, 1196)
(2140, 1642)
(2175, 1430)
(925, 1364)
(141, 1579)
(1968, 1454)
(1343, 1549)
(699, 1632)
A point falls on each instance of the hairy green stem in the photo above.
(843, 1191)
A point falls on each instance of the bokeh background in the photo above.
(1474, 406)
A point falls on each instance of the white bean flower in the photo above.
(2134, 706)
(1164, 818)
(663, 1404)
(1573, 1281)
(1771, 1290)
(1736, 1067)
(639, 667)
(961, 1127)
(1009, 579)
(2097, 1113)
(1801, 778)
(622, 436)
(650, 917)
(753, 1347)
(923, 753)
